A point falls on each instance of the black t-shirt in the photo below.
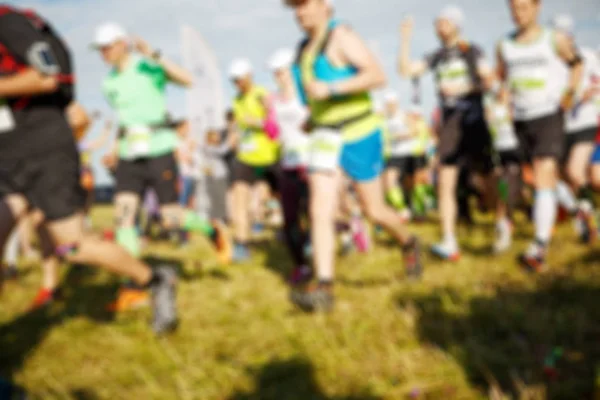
(41, 125)
(457, 66)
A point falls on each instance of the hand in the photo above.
(590, 94)
(406, 27)
(234, 138)
(253, 122)
(109, 160)
(568, 100)
(142, 46)
(317, 90)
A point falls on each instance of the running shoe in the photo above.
(534, 259)
(222, 242)
(360, 235)
(240, 253)
(258, 228)
(585, 223)
(301, 275)
(412, 259)
(504, 231)
(446, 251)
(164, 301)
(313, 298)
(128, 299)
(44, 298)
(347, 243)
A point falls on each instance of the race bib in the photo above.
(138, 141)
(7, 122)
(247, 144)
(325, 149)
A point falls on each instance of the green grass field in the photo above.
(479, 329)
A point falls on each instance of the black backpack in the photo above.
(11, 64)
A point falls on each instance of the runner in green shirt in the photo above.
(135, 88)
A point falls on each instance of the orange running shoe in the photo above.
(222, 242)
(130, 299)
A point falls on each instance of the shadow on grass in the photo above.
(277, 257)
(80, 297)
(547, 338)
(290, 380)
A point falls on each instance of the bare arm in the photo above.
(356, 53)
(408, 68)
(568, 53)
(103, 139)
(78, 118)
(174, 72)
(26, 83)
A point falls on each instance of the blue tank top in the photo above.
(323, 69)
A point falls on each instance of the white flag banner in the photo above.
(205, 100)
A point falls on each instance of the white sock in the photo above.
(11, 250)
(565, 197)
(544, 214)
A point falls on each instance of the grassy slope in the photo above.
(463, 329)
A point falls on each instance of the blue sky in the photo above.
(255, 28)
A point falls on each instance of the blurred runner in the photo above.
(39, 161)
(529, 62)
(135, 88)
(257, 152)
(462, 75)
(334, 71)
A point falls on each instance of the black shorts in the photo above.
(159, 173)
(510, 157)
(50, 182)
(251, 175)
(407, 164)
(587, 135)
(465, 139)
(542, 137)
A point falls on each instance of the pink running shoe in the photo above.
(360, 235)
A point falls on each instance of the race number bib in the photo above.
(325, 149)
(138, 141)
(7, 122)
(247, 144)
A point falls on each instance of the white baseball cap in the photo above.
(453, 14)
(107, 34)
(390, 96)
(240, 68)
(281, 59)
(563, 23)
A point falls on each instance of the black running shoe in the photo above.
(164, 301)
(313, 298)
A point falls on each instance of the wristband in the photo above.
(156, 55)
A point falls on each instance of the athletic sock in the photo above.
(419, 198)
(128, 238)
(544, 214)
(326, 284)
(192, 222)
(396, 198)
(565, 197)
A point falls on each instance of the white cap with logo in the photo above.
(283, 58)
(240, 68)
(453, 14)
(107, 34)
